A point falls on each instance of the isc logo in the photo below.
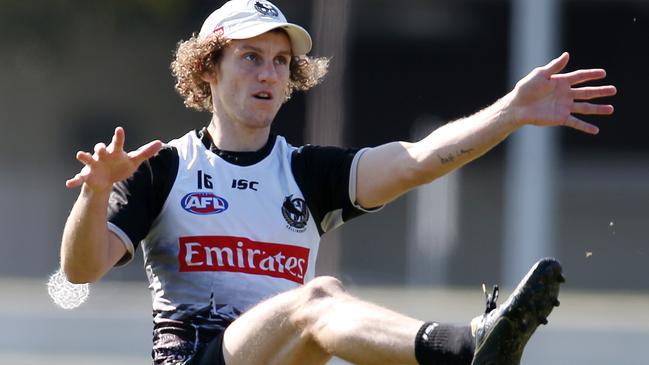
(203, 203)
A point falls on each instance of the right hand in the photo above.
(110, 164)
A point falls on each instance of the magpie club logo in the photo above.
(266, 9)
(296, 213)
(203, 203)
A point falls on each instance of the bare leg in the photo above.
(311, 324)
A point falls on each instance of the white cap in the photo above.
(243, 19)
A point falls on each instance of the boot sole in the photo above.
(528, 307)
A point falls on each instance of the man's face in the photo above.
(252, 79)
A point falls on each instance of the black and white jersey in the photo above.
(221, 231)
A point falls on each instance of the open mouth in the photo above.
(263, 95)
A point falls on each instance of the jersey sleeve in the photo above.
(327, 178)
(135, 203)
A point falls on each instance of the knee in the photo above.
(315, 299)
(321, 288)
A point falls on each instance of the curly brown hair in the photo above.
(195, 57)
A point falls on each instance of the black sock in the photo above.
(443, 344)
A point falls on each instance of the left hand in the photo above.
(547, 98)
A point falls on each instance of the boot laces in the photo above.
(490, 298)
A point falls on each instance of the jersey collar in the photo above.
(235, 157)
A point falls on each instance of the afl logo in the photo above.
(203, 203)
(266, 9)
(296, 213)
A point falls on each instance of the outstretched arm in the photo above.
(544, 98)
(88, 248)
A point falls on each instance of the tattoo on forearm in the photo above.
(447, 159)
(451, 157)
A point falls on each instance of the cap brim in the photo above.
(300, 38)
